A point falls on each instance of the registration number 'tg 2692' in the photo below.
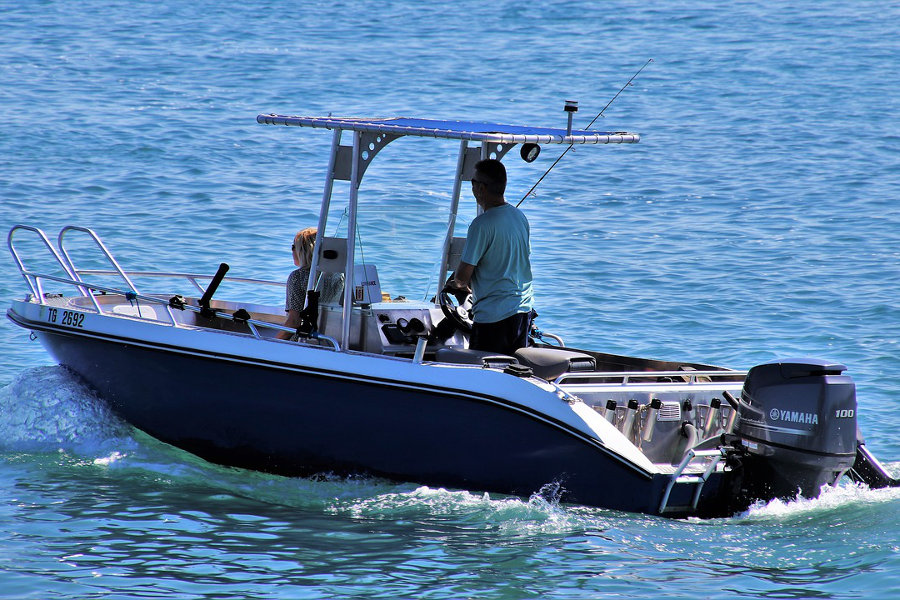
(70, 318)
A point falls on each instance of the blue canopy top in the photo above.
(456, 130)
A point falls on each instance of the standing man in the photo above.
(496, 264)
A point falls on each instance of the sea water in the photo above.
(757, 219)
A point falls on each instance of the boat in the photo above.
(388, 387)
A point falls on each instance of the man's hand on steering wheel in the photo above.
(460, 312)
(460, 291)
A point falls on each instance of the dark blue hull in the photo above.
(283, 419)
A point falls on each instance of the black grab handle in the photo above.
(208, 294)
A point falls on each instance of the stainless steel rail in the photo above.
(34, 279)
(714, 456)
(628, 377)
(75, 278)
(191, 277)
(106, 253)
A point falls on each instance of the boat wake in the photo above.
(846, 496)
(48, 409)
(539, 514)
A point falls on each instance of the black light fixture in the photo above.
(529, 152)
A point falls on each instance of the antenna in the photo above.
(571, 108)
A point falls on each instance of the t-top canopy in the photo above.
(457, 130)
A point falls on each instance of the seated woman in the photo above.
(330, 285)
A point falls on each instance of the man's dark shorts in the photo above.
(503, 337)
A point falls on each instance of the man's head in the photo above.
(489, 181)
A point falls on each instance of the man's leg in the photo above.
(503, 337)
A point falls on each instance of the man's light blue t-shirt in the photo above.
(499, 245)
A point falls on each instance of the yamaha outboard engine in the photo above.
(797, 428)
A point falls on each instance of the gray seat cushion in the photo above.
(550, 363)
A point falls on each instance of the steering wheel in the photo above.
(458, 311)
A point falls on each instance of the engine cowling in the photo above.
(797, 427)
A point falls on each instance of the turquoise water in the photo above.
(758, 218)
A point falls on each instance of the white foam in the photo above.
(831, 499)
(541, 513)
(47, 409)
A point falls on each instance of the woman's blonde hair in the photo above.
(304, 242)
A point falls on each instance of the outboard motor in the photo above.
(797, 428)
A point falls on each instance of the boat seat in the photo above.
(550, 363)
(465, 356)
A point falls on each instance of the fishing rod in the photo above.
(599, 114)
